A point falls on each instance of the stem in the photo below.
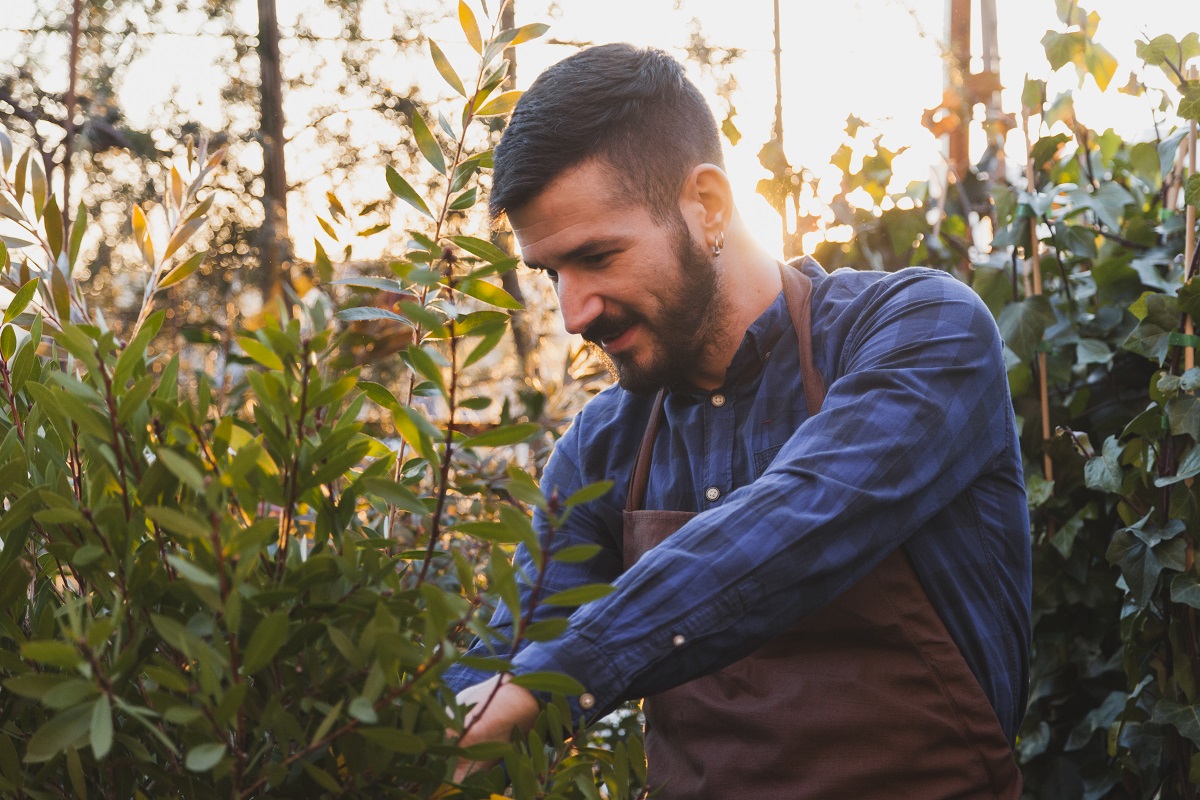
(5, 377)
(118, 450)
(435, 523)
(285, 518)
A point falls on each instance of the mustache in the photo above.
(608, 326)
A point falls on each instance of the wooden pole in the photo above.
(1189, 353)
(777, 130)
(958, 25)
(1036, 265)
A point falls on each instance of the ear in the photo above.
(706, 202)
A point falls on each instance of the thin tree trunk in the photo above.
(521, 331)
(69, 119)
(275, 244)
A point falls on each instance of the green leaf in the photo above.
(1143, 551)
(428, 143)
(485, 346)
(367, 313)
(481, 248)
(504, 435)
(1103, 472)
(20, 300)
(423, 363)
(576, 553)
(102, 727)
(397, 741)
(68, 729)
(501, 104)
(1152, 337)
(182, 271)
(204, 757)
(78, 228)
(260, 352)
(269, 635)
(470, 28)
(327, 723)
(363, 710)
(1185, 719)
(401, 189)
(1185, 588)
(550, 682)
(182, 468)
(8, 342)
(1023, 324)
(51, 653)
(491, 531)
(489, 293)
(445, 69)
(578, 595)
(589, 493)
(1189, 104)
(178, 522)
(1191, 192)
(527, 32)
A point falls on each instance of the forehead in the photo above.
(584, 202)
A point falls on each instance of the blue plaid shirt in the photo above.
(915, 446)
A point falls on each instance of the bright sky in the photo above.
(877, 59)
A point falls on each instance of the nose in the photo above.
(578, 301)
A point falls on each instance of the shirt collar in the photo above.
(760, 338)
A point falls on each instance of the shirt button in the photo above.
(718, 400)
(679, 640)
(712, 493)
(587, 701)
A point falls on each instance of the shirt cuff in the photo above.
(574, 656)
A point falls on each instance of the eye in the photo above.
(552, 274)
(596, 259)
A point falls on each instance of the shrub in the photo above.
(214, 594)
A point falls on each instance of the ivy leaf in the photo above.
(1189, 104)
(1191, 191)
(1023, 324)
(1142, 551)
(1185, 719)
(1151, 338)
(1103, 472)
(1185, 588)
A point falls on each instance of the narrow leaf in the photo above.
(466, 18)
(428, 143)
(401, 189)
(20, 300)
(447, 71)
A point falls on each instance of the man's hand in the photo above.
(499, 706)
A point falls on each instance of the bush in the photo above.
(246, 594)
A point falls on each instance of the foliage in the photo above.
(211, 593)
(1113, 704)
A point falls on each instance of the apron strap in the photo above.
(797, 293)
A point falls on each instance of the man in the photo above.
(818, 531)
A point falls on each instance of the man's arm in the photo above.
(918, 413)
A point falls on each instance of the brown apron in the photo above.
(868, 697)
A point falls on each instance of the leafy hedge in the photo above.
(247, 592)
(1107, 328)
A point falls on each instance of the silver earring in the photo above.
(719, 244)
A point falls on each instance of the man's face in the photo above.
(643, 292)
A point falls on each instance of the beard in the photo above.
(690, 318)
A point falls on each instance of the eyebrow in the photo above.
(587, 248)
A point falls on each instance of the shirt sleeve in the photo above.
(918, 411)
(597, 522)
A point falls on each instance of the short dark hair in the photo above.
(631, 107)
